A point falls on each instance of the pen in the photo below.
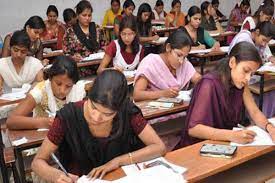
(241, 126)
(59, 164)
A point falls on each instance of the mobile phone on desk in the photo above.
(218, 150)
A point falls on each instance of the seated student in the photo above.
(19, 68)
(175, 18)
(48, 96)
(144, 18)
(263, 14)
(128, 9)
(260, 36)
(98, 135)
(80, 40)
(34, 27)
(165, 74)
(158, 11)
(209, 18)
(54, 28)
(111, 13)
(126, 52)
(200, 38)
(236, 18)
(215, 5)
(219, 99)
(70, 19)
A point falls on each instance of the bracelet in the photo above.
(131, 158)
(266, 125)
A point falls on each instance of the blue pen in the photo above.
(59, 164)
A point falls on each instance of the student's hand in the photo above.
(50, 121)
(243, 136)
(201, 47)
(45, 62)
(155, 37)
(77, 57)
(171, 92)
(272, 59)
(216, 47)
(271, 131)
(100, 171)
(62, 178)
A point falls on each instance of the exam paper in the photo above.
(267, 67)
(85, 179)
(185, 95)
(20, 141)
(94, 56)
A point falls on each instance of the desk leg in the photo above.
(20, 163)
(261, 99)
(202, 65)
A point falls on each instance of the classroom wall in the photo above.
(14, 13)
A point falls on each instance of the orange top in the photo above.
(172, 20)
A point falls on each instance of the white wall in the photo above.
(14, 13)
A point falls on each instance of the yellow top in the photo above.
(109, 17)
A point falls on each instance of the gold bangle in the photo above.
(131, 158)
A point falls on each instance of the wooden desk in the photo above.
(223, 35)
(166, 29)
(150, 113)
(46, 43)
(199, 167)
(88, 63)
(205, 57)
(35, 139)
(259, 88)
(53, 54)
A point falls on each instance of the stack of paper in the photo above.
(16, 93)
(94, 56)
(262, 138)
(161, 40)
(161, 104)
(185, 95)
(267, 67)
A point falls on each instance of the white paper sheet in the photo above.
(262, 137)
(185, 95)
(130, 74)
(272, 120)
(272, 41)
(161, 40)
(267, 67)
(20, 141)
(84, 179)
(204, 51)
(16, 93)
(156, 174)
(134, 168)
(94, 56)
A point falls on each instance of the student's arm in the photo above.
(256, 115)
(148, 39)
(6, 47)
(41, 167)
(140, 92)
(39, 76)
(195, 78)
(211, 42)
(104, 63)
(154, 148)
(202, 111)
(19, 119)
(206, 132)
